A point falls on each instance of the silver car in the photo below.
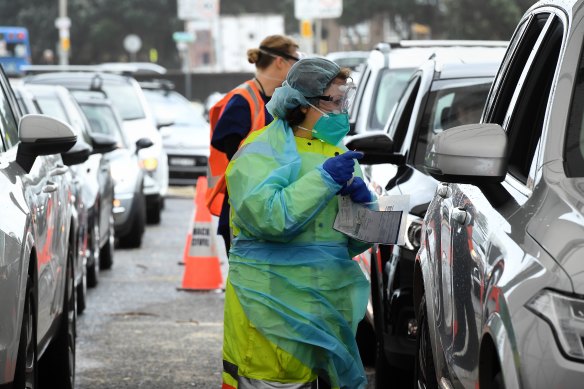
(499, 277)
(37, 250)
(186, 139)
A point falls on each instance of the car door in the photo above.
(485, 225)
(46, 195)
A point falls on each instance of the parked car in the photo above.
(37, 236)
(129, 209)
(186, 139)
(498, 280)
(97, 185)
(138, 121)
(439, 95)
(78, 154)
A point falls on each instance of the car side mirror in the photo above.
(42, 135)
(143, 143)
(103, 143)
(469, 154)
(377, 146)
(77, 154)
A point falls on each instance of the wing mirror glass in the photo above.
(377, 146)
(143, 143)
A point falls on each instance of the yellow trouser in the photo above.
(247, 353)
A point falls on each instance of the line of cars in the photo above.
(77, 179)
(487, 290)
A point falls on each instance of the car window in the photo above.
(126, 100)
(574, 143)
(400, 120)
(53, 106)
(360, 91)
(8, 122)
(524, 119)
(102, 120)
(390, 86)
(455, 103)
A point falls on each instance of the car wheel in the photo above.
(134, 238)
(424, 373)
(58, 363)
(94, 264)
(25, 376)
(82, 292)
(106, 254)
(154, 211)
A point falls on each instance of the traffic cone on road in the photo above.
(202, 266)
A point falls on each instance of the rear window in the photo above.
(390, 86)
(126, 100)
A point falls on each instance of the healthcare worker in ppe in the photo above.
(294, 296)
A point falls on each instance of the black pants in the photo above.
(227, 238)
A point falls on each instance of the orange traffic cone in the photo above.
(202, 267)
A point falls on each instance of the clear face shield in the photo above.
(338, 98)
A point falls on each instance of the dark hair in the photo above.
(271, 47)
(295, 115)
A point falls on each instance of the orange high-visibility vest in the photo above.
(218, 161)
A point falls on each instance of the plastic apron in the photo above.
(291, 274)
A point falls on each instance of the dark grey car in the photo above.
(499, 278)
(439, 95)
(129, 200)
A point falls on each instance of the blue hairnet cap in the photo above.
(307, 78)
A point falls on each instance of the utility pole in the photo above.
(63, 23)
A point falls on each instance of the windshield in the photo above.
(173, 106)
(450, 107)
(392, 83)
(126, 100)
(102, 120)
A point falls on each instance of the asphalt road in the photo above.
(138, 331)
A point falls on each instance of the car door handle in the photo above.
(60, 170)
(459, 215)
(49, 188)
(443, 191)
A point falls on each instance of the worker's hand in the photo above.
(357, 190)
(341, 167)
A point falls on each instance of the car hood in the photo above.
(185, 137)
(142, 128)
(558, 226)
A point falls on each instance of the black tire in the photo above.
(57, 368)
(153, 212)
(93, 263)
(26, 373)
(106, 254)
(133, 239)
(82, 293)
(424, 372)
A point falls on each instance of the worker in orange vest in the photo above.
(241, 111)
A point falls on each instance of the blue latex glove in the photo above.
(342, 166)
(357, 190)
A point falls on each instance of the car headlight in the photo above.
(565, 315)
(413, 232)
(149, 164)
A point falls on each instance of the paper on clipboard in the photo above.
(383, 223)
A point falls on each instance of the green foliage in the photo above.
(99, 26)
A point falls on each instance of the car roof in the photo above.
(77, 78)
(405, 56)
